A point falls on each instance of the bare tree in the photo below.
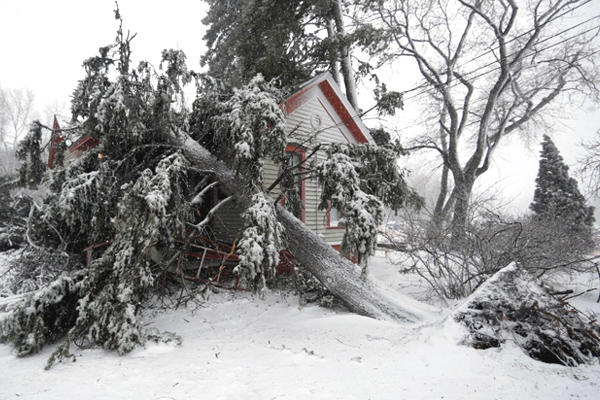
(16, 109)
(492, 67)
(589, 164)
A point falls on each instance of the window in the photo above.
(335, 218)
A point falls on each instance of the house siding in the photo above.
(70, 156)
(227, 223)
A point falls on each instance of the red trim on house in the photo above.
(56, 138)
(292, 148)
(213, 255)
(339, 128)
(287, 263)
(294, 102)
(79, 147)
(339, 107)
(83, 144)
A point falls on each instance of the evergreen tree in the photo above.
(267, 37)
(288, 40)
(557, 195)
(30, 151)
(562, 219)
(131, 190)
(13, 214)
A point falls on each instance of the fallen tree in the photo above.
(337, 273)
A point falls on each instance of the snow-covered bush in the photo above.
(261, 242)
(547, 249)
(513, 305)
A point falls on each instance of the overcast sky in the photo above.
(43, 44)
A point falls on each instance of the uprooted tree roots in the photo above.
(513, 305)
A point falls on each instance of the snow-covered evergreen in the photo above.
(562, 224)
(29, 150)
(130, 192)
(261, 242)
(257, 126)
(14, 209)
(556, 194)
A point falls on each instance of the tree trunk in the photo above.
(438, 212)
(462, 194)
(345, 56)
(334, 63)
(339, 275)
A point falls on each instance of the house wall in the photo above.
(70, 156)
(227, 222)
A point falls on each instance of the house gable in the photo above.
(333, 103)
(75, 150)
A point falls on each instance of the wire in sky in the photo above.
(470, 75)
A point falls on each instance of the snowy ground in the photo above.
(239, 347)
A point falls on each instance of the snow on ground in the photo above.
(240, 347)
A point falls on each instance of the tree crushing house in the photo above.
(317, 114)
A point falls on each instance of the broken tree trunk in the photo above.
(334, 271)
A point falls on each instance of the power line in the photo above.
(533, 30)
(426, 86)
(492, 50)
(532, 53)
(476, 122)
